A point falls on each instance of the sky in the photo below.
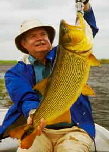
(50, 12)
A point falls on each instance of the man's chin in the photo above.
(42, 51)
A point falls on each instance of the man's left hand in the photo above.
(41, 126)
(83, 1)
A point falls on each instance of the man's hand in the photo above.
(41, 126)
(83, 1)
(86, 6)
(82, 5)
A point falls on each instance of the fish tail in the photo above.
(18, 132)
(27, 142)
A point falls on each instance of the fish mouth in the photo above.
(76, 38)
(70, 34)
(65, 25)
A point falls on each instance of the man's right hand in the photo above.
(83, 1)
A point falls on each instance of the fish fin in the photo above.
(17, 132)
(27, 142)
(93, 61)
(65, 117)
(41, 86)
(88, 90)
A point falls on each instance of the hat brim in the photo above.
(51, 33)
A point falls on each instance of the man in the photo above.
(36, 40)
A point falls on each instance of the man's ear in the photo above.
(23, 43)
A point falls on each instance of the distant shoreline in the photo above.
(13, 62)
(104, 61)
(7, 62)
(5, 67)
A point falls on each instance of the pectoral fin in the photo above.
(28, 140)
(88, 91)
(41, 86)
(93, 61)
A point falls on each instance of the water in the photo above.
(99, 81)
(2, 75)
(4, 98)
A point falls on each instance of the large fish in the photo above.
(67, 81)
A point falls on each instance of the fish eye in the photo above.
(65, 29)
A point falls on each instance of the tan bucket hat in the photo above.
(31, 24)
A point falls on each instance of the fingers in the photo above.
(39, 131)
(41, 126)
(42, 123)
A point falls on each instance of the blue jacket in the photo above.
(20, 80)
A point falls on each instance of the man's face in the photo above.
(36, 41)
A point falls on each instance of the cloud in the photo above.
(14, 12)
(8, 51)
(5, 5)
(38, 4)
(31, 4)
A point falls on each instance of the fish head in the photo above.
(77, 38)
(70, 35)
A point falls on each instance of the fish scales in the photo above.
(69, 74)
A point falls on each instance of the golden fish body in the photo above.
(69, 76)
(70, 73)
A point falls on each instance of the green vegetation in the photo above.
(1, 86)
(12, 62)
(104, 61)
(7, 62)
(4, 97)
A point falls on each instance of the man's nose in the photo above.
(38, 37)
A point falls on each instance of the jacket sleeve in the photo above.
(19, 83)
(90, 18)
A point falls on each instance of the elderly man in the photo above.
(36, 40)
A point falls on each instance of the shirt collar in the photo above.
(32, 59)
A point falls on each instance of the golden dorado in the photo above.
(67, 80)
